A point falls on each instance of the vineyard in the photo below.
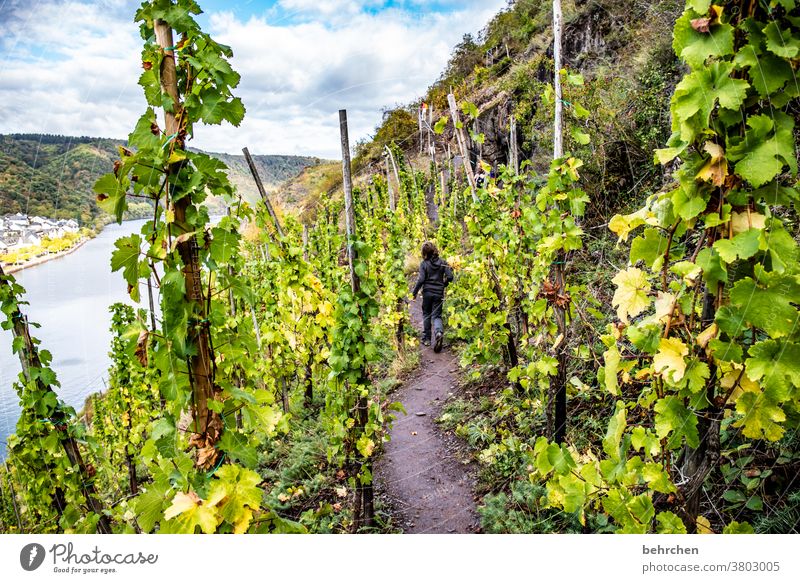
(649, 384)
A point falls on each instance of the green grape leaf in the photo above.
(669, 523)
(149, 505)
(675, 421)
(714, 270)
(224, 245)
(742, 246)
(560, 458)
(768, 303)
(142, 136)
(469, 109)
(237, 447)
(580, 137)
(642, 438)
(695, 47)
(699, 6)
(126, 257)
(783, 43)
(697, 373)
(649, 247)
(657, 479)
(738, 528)
(761, 418)
(775, 364)
(767, 73)
(766, 147)
(726, 351)
(645, 336)
(697, 94)
(782, 247)
(688, 201)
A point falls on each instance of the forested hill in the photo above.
(49, 175)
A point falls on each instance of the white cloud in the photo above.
(73, 68)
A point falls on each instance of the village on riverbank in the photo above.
(27, 241)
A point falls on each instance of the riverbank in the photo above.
(15, 267)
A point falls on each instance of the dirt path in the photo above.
(419, 471)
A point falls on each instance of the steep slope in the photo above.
(622, 49)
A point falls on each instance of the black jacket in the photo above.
(434, 275)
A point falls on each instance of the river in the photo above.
(69, 297)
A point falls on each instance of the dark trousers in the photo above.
(431, 310)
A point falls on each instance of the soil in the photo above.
(420, 474)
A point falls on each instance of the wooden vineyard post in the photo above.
(151, 303)
(262, 191)
(308, 379)
(13, 496)
(513, 155)
(557, 406)
(29, 359)
(393, 199)
(363, 509)
(207, 424)
(389, 188)
(462, 144)
(558, 145)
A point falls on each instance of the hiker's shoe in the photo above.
(437, 347)
(426, 342)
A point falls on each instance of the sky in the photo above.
(70, 67)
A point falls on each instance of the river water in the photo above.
(69, 297)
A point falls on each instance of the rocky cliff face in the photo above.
(623, 50)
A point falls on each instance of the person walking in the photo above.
(434, 276)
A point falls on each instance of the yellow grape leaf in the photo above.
(707, 335)
(238, 495)
(733, 375)
(703, 525)
(631, 295)
(611, 359)
(715, 169)
(669, 360)
(622, 225)
(176, 156)
(189, 511)
(365, 446)
(664, 305)
(741, 222)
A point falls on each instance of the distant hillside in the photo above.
(52, 176)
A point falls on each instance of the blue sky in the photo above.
(70, 66)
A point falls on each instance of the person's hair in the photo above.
(429, 250)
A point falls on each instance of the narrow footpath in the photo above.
(420, 473)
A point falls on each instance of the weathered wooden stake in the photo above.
(363, 510)
(558, 146)
(462, 145)
(13, 497)
(393, 201)
(151, 303)
(513, 155)
(262, 191)
(207, 424)
(558, 387)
